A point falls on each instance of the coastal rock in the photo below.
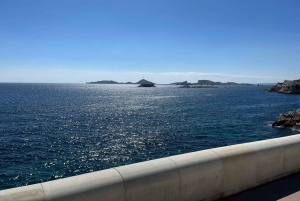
(185, 86)
(290, 120)
(188, 86)
(286, 87)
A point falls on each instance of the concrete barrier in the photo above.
(204, 175)
(152, 180)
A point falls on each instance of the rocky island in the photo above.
(142, 83)
(209, 82)
(206, 84)
(286, 87)
(145, 83)
(290, 120)
(104, 82)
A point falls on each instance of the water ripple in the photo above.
(51, 131)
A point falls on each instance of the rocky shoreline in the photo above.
(286, 87)
(279, 89)
(290, 120)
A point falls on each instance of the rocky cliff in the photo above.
(290, 120)
(286, 87)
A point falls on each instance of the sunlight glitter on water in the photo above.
(60, 130)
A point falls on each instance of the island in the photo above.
(290, 120)
(104, 82)
(286, 87)
(206, 84)
(209, 82)
(142, 83)
(145, 83)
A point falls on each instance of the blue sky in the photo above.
(166, 41)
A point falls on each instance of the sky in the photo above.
(164, 41)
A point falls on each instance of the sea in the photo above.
(53, 131)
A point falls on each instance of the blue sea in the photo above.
(52, 131)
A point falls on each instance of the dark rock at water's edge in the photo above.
(181, 83)
(188, 86)
(286, 87)
(145, 83)
(209, 82)
(185, 86)
(290, 120)
(204, 87)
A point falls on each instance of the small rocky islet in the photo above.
(290, 120)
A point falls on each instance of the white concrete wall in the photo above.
(204, 175)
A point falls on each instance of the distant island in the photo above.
(104, 82)
(142, 83)
(286, 87)
(209, 82)
(145, 82)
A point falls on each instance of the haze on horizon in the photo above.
(78, 41)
